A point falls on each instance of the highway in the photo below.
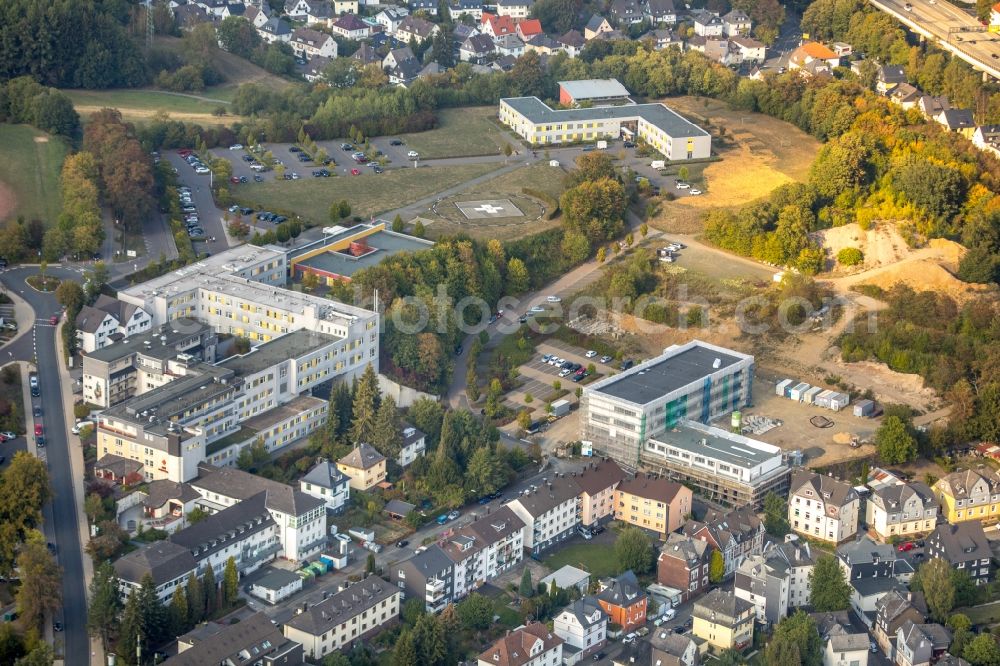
(61, 525)
(953, 28)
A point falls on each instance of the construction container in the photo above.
(779, 389)
(560, 408)
(839, 400)
(864, 408)
(823, 399)
(809, 397)
(796, 392)
(736, 422)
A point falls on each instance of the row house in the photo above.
(777, 581)
(736, 534)
(598, 482)
(921, 644)
(845, 647)
(821, 507)
(683, 564)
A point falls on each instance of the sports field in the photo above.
(30, 162)
(368, 194)
(461, 133)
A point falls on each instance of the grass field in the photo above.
(541, 177)
(141, 105)
(597, 559)
(368, 195)
(461, 132)
(759, 154)
(30, 162)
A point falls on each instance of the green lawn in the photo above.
(460, 133)
(597, 559)
(30, 162)
(148, 100)
(368, 194)
(986, 614)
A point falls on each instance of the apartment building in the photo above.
(776, 581)
(364, 466)
(695, 381)
(253, 637)
(549, 512)
(683, 564)
(428, 575)
(892, 611)
(656, 124)
(965, 547)
(107, 321)
(583, 627)
(969, 495)
(484, 549)
(653, 503)
(723, 620)
(345, 618)
(144, 361)
(821, 507)
(329, 484)
(529, 645)
(901, 510)
(598, 481)
(737, 535)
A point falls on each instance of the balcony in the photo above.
(435, 590)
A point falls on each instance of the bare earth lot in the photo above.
(759, 154)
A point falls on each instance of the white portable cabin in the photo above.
(823, 399)
(839, 400)
(779, 389)
(864, 408)
(797, 391)
(809, 397)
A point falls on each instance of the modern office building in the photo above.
(657, 125)
(695, 381)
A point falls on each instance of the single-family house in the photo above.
(258, 16)
(661, 12)
(396, 56)
(477, 49)
(517, 9)
(595, 26)
(320, 13)
(748, 50)
(811, 52)
(891, 611)
(624, 600)
(297, 9)
(888, 77)
(920, 644)
(275, 30)
(965, 547)
(528, 28)
(415, 29)
(777, 581)
(957, 120)
(413, 447)
(845, 648)
(905, 95)
(821, 507)
(664, 38)
(367, 55)
(707, 24)
(346, 6)
(987, 137)
(497, 26)
(723, 620)
(737, 534)
(350, 26)
(565, 577)
(683, 564)
(529, 645)
(364, 465)
(583, 627)
(308, 43)
(327, 483)
(714, 48)
(276, 585)
(736, 23)
(572, 43)
(865, 558)
(390, 18)
(190, 16)
(509, 45)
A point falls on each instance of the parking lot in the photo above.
(209, 217)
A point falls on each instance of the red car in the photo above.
(183, 152)
(54, 319)
(906, 547)
(234, 180)
(38, 429)
(355, 172)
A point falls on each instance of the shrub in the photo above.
(850, 256)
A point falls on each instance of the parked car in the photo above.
(346, 146)
(236, 146)
(591, 354)
(906, 547)
(553, 299)
(605, 359)
(378, 169)
(413, 154)
(454, 515)
(442, 519)
(584, 532)
(536, 309)
(681, 185)
(54, 319)
(8, 434)
(396, 142)
(629, 639)
(40, 442)
(355, 172)
(695, 192)
(597, 530)
(403, 543)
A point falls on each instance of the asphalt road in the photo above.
(210, 217)
(61, 525)
(955, 28)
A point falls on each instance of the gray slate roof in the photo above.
(963, 542)
(241, 485)
(164, 560)
(255, 635)
(344, 605)
(364, 456)
(825, 488)
(325, 475)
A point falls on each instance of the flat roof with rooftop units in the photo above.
(657, 115)
(289, 346)
(677, 368)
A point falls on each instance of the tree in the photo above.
(211, 591)
(526, 589)
(938, 588)
(365, 407)
(828, 589)
(524, 419)
(595, 208)
(405, 652)
(634, 551)
(776, 515)
(485, 473)
(430, 641)
(397, 224)
(195, 598)
(40, 656)
(230, 583)
(894, 442)
(40, 592)
(104, 604)
(476, 612)
(982, 651)
(518, 280)
(70, 295)
(178, 611)
(370, 564)
(387, 435)
(795, 642)
(716, 567)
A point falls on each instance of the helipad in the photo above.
(488, 209)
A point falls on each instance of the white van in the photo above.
(80, 425)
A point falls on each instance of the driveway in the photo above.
(210, 217)
(61, 515)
